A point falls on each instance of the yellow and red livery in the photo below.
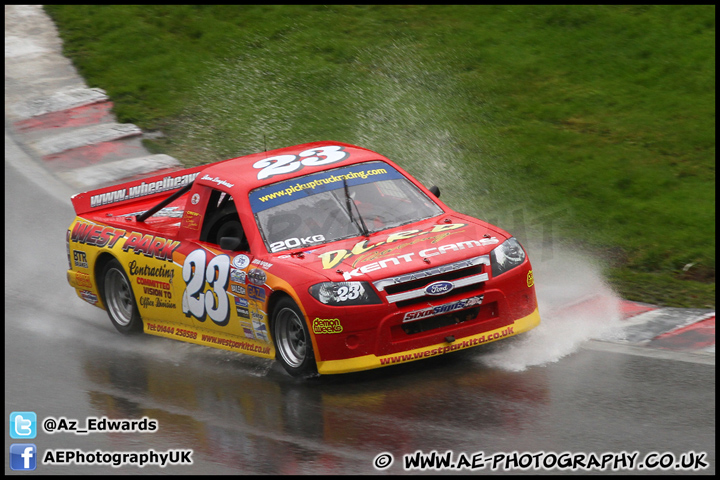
(327, 256)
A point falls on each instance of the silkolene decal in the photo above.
(289, 190)
(315, 157)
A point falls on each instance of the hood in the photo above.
(405, 249)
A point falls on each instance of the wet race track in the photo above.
(555, 391)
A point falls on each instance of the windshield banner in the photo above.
(289, 190)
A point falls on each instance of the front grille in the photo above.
(409, 289)
(456, 291)
(450, 276)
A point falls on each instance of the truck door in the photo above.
(216, 293)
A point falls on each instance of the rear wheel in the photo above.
(119, 300)
(293, 344)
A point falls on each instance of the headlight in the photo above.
(344, 293)
(507, 256)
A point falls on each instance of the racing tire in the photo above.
(293, 344)
(119, 300)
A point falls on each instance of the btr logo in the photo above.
(80, 259)
(23, 456)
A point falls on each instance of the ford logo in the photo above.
(439, 288)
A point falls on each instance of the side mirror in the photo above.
(230, 243)
(435, 190)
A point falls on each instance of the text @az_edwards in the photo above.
(99, 424)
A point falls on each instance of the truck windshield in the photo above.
(335, 204)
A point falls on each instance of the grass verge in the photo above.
(600, 117)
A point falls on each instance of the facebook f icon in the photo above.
(23, 456)
(23, 425)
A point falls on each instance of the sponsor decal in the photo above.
(89, 297)
(271, 196)
(150, 246)
(192, 220)
(240, 261)
(160, 328)
(83, 280)
(430, 352)
(256, 293)
(242, 302)
(239, 289)
(181, 332)
(152, 283)
(453, 247)
(80, 259)
(188, 333)
(530, 279)
(169, 212)
(248, 347)
(410, 257)
(262, 264)
(167, 183)
(257, 276)
(148, 271)
(277, 194)
(385, 252)
(247, 329)
(260, 330)
(237, 276)
(96, 235)
(332, 258)
(154, 287)
(326, 326)
(147, 302)
(234, 344)
(439, 288)
(195, 199)
(371, 267)
(258, 318)
(217, 180)
(442, 309)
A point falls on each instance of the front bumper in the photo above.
(367, 362)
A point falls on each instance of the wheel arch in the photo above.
(274, 299)
(284, 290)
(100, 262)
(135, 322)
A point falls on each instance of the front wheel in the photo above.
(119, 300)
(293, 344)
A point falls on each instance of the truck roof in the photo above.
(245, 173)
